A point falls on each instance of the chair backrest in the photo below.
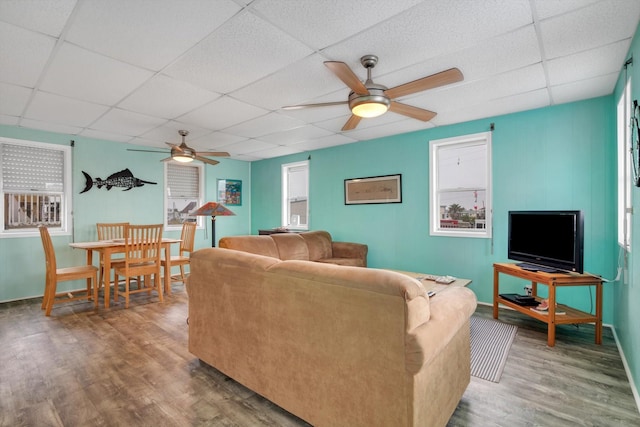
(49, 252)
(110, 231)
(142, 243)
(188, 237)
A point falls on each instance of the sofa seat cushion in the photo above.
(353, 262)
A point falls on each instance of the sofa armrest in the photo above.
(350, 250)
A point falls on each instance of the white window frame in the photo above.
(286, 221)
(625, 172)
(435, 146)
(200, 200)
(66, 195)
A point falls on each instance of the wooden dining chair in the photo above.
(55, 275)
(110, 231)
(141, 259)
(186, 247)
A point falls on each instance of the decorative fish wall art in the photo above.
(124, 179)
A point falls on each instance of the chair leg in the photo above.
(182, 272)
(51, 295)
(126, 291)
(159, 285)
(95, 290)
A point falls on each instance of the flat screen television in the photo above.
(548, 241)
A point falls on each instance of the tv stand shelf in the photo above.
(552, 281)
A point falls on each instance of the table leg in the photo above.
(551, 324)
(496, 285)
(167, 268)
(90, 262)
(107, 276)
(599, 313)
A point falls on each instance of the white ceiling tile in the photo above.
(214, 141)
(147, 33)
(270, 123)
(166, 97)
(247, 146)
(85, 75)
(222, 113)
(126, 122)
(9, 120)
(107, 136)
(23, 55)
(277, 151)
(324, 142)
(169, 132)
(394, 128)
(432, 29)
(599, 24)
(44, 16)
(241, 51)
(293, 136)
(13, 99)
(322, 23)
(597, 86)
(61, 110)
(549, 8)
(304, 80)
(50, 127)
(587, 64)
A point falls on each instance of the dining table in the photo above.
(106, 248)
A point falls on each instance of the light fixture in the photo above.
(375, 104)
(213, 209)
(183, 155)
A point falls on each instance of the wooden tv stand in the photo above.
(552, 280)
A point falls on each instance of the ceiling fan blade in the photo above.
(352, 122)
(344, 73)
(147, 151)
(205, 160)
(449, 76)
(411, 111)
(321, 104)
(213, 153)
(177, 147)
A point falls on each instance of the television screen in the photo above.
(551, 239)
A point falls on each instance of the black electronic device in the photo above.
(551, 239)
(520, 299)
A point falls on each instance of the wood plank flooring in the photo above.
(117, 367)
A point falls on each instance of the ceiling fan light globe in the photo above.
(369, 109)
(373, 105)
(184, 155)
(182, 158)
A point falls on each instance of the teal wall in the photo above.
(552, 158)
(626, 298)
(22, 259)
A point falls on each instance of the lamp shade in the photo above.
(212, 209)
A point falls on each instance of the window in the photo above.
(460, 186)
(625, 176)
(184, 194)
(295, 195)
(35, 182)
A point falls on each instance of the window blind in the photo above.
(31, 169)
(183, 181)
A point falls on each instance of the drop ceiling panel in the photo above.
(124, 122)
(126, 30)
(163, 96)
(23, 55)
(597, 86)
(50, 127)
(325, 142)
(48, 107)
(546, 8)
(108, 136)
(276, 152)
(81, 74)
(264, 125)
(241, 51)
(247, 146)
(323, 23)
(599, 24)
(293, 136)
(13, 99)
(222, 113)
(44, 16)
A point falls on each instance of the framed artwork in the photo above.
(374, 189)
(230, 192)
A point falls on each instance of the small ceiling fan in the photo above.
(369, 99)
(183, 153)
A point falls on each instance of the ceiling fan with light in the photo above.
(183, 153)
(369, 99)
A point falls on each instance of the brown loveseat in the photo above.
(310, 246)
(334, 345)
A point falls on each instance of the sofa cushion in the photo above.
(259, 245)
(319, 244)
(291, 246)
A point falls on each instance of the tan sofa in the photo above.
(310, 246)
(334, 345)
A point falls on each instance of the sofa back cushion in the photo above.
(319, 244)
(259, 245)
(291, 246)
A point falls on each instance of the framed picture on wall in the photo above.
(230, 192)
(373, 189)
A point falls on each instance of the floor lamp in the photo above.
(213, 210)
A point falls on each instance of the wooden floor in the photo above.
(131, 367)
